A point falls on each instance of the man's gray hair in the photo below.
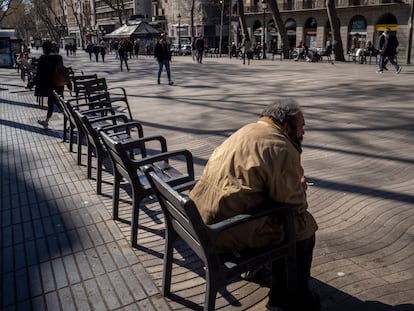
(282, 111)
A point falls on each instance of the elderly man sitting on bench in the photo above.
(261, 162)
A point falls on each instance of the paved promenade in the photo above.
(60, 249)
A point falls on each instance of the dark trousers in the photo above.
(51, 101)
(278, 291)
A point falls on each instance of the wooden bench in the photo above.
(129, 157)
(183, 220)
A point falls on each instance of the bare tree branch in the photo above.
(7, 7)
(118, 7)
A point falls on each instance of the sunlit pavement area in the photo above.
(61, 250)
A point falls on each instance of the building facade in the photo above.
(211, 19)
(360, 21)
(218, 20)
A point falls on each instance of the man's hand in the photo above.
(304, 183)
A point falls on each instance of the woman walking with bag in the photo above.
(44, 79)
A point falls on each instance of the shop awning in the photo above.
(138, 29)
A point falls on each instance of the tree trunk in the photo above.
(336, 32)
(410, 33)
(243, 19)
(280, 26)
(192, 20)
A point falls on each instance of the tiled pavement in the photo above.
(60, 250)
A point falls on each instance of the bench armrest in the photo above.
(91, 113)
(126, 127)
(185, 186)
(285, 211)
(140, 143)
(99, 122)
(91, 105)
(113, 117)
(118, 88)
(146, 163)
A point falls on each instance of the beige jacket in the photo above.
(258, 163)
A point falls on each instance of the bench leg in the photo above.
(99, 165)
(89, 161)
(115, 194)
(136, 200)
(211, 292)
(170, 238)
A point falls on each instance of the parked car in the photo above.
(185, 49)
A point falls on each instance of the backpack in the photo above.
(61, 75)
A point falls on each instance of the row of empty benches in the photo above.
(100, 118)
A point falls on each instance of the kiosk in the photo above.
(9, 46)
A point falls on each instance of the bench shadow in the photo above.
(335, 300)
(332, 299)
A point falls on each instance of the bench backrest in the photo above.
(91, 126)
(79, 83)
(129, 156)
(102, 97)
(96, 86)
(183, 219)
(121, 156)
(182, 214)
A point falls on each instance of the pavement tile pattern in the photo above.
(61, 250)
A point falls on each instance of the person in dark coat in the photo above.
(89, 50)
(388, 49)
(43, 80)
(163, 55)
(200, 49)
(123, 53)
(96, 50)
(136, 48)
(102, 50)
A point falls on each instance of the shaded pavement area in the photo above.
(61, 250)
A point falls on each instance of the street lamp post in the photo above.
(221, 26)
(264, 7)
(179, 33)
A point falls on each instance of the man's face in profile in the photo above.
(296, 131)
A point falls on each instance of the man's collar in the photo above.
(280, 129)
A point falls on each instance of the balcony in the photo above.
(158, 18)
(308, 4)
(288, 5)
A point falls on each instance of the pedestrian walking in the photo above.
(89, 50)
(116, 47)
(96, 50)
(43, 80)
(247, 50)
(388, 49)
(200, 49)
(136, 48)
(123, 53)
(163, 55)
(102, 50)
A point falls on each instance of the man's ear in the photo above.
(286, 126)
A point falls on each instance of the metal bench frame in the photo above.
(183, 220)
(128, 158)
